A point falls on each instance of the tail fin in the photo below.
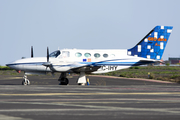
(153, 44)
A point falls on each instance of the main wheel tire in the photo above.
(65, 81)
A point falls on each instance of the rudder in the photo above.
(153, 44)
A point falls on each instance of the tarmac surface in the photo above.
(104, 99)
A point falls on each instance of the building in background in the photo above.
(174, 60)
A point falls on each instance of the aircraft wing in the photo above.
(88, 68)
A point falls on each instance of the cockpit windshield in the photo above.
(55, 54)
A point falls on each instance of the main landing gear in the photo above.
(64, 81)
(25, 81)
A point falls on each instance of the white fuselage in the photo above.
(69, 60)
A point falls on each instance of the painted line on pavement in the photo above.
(51, 94)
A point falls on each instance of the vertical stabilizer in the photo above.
(153, 44)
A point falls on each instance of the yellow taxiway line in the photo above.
(107, 93)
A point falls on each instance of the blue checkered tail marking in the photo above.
(153, 44)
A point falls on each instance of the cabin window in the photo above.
(65, 54)
(78, 54)
(105, 55)
(87, 55)
(112, 55)
(96, 55)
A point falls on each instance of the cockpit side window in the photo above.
(55, 54)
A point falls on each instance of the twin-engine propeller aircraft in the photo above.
(149, 50)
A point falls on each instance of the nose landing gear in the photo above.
(25, 81)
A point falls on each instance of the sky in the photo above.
(82, 24)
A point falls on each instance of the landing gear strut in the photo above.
(63, 80)
(25, 81)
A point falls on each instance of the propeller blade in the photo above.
(32, 52)
(48, 64)
(47, 54)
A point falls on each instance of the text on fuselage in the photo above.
(108, 67)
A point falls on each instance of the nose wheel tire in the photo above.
(26, 82)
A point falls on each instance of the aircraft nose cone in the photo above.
(11, 65)
(8, 65)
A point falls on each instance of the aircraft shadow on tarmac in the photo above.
(94, 80)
